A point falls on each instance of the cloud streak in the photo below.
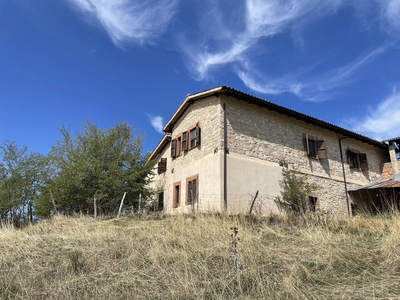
(261, 19)
(314, 88)
(390, 13)
(128, 20)
(156, 122)
(382, 122)
(236, 48)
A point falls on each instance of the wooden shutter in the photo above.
(321, 145)
(305, 142)
(173, 148)
(317, 205)
(192, 191)
(198, 134)
(163, 165)
(184, 141)
(363, 161)
(349, 158)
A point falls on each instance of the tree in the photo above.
(295, 189)
(96, 163)
(22, 175)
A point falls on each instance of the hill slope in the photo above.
(193, 258)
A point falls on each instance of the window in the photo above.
(176, 200)
(194, 136)
(357, 160)
(184, 141)
(192, 189)
(178, 145)
(313, 203)
(162, 165)
(173, 148)
(160, 205)
(314, 147)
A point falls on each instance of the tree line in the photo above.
(92, 163)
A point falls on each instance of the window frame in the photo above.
(314, 147)
(173, 148)
(176, 194)
(313, 204)
(193, 142)
(162, 166)
(178, 145)
(196, 198)
(160, 204)
(357, 160)
(184, 141)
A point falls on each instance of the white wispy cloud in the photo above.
(261, 19)
(129, 20)
(234, 46)
(311, 88)
(156, 122)
(390, 14)
(383, 121)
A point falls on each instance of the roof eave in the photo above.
(186, 103)
(164, 141)
(269, 105)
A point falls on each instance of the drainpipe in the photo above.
(225, 159)
(344, 176)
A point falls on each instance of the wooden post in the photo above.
(120, 207)
(30, 212)
(252, 204)
(140, 201)
(95, 206)
(54, 207)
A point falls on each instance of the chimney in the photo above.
(393, 160)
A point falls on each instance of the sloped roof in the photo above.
(391, 183)
(392, 139)
(225, 90)
(164, 141)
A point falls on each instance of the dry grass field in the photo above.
(194, 257)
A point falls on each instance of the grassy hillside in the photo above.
(193, 258)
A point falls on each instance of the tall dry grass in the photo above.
(192, 257)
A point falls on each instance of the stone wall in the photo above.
(258, 139)
(266, 135)
(201, 160)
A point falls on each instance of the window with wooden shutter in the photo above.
(162, 165)
(192, 189)
(363, 162)
(160, 205)
(321, 145)
(173, 148)
(176, 196)
(313, 147)
(192, 138)
(184, 141)
(198, 135)
(357, 160)
(178, 145)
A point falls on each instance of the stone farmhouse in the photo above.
(222, 147)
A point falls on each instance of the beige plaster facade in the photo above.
(260, 136)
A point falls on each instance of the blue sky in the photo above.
(110, 61)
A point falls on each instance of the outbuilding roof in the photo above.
(391, 183)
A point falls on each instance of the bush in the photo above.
(295, 190)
